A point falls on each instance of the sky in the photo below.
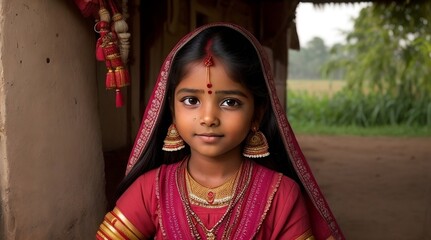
(325, 21)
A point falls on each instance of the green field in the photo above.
(315, 87)
(310, 110)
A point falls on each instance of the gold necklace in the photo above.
(192, 218)
(210, 197)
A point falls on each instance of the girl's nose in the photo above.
(209, 116)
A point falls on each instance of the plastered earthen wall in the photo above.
(51, 161)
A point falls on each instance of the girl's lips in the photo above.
(209, 137)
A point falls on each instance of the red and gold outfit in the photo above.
(269, 207)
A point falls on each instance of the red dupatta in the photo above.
(322, 219)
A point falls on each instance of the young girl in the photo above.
(215, 157)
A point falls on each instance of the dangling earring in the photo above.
(256, 145)
(173, 141)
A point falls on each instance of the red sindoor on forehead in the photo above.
(208, 47)
(208, 62)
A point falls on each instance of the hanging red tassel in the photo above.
(107, 49)
(118, 98)
(100, 56)
(110, 81)
(102, 27)
(122, 77)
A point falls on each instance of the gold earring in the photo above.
(256, 145)
(173, 141)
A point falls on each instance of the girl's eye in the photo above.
(230, 103)
(190, 101)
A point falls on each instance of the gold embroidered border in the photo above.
(269, 201)
(159, 211)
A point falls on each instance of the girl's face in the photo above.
(212, 124)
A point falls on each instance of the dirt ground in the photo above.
(377, 187)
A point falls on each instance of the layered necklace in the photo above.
(230, 193)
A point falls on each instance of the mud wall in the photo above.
(51, 162)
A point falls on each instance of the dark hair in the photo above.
(240, 58)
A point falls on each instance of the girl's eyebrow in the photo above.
(221, 92)
(231, 92)
(190, 90)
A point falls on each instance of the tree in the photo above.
(307, 63)
(388, 54)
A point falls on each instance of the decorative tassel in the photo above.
(113, 60)
(88, 8)
(122, 77)
(124, 45)
(113, 48)
(102, 28)
(100, 56)
(118, 98)
(120, 27)
(124, 37)
(110, 82)
(104, 13)
(104, 19)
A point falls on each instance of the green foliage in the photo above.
(348, 108)
(389, 51)
(387, 64)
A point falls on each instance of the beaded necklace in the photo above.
(240, 187)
